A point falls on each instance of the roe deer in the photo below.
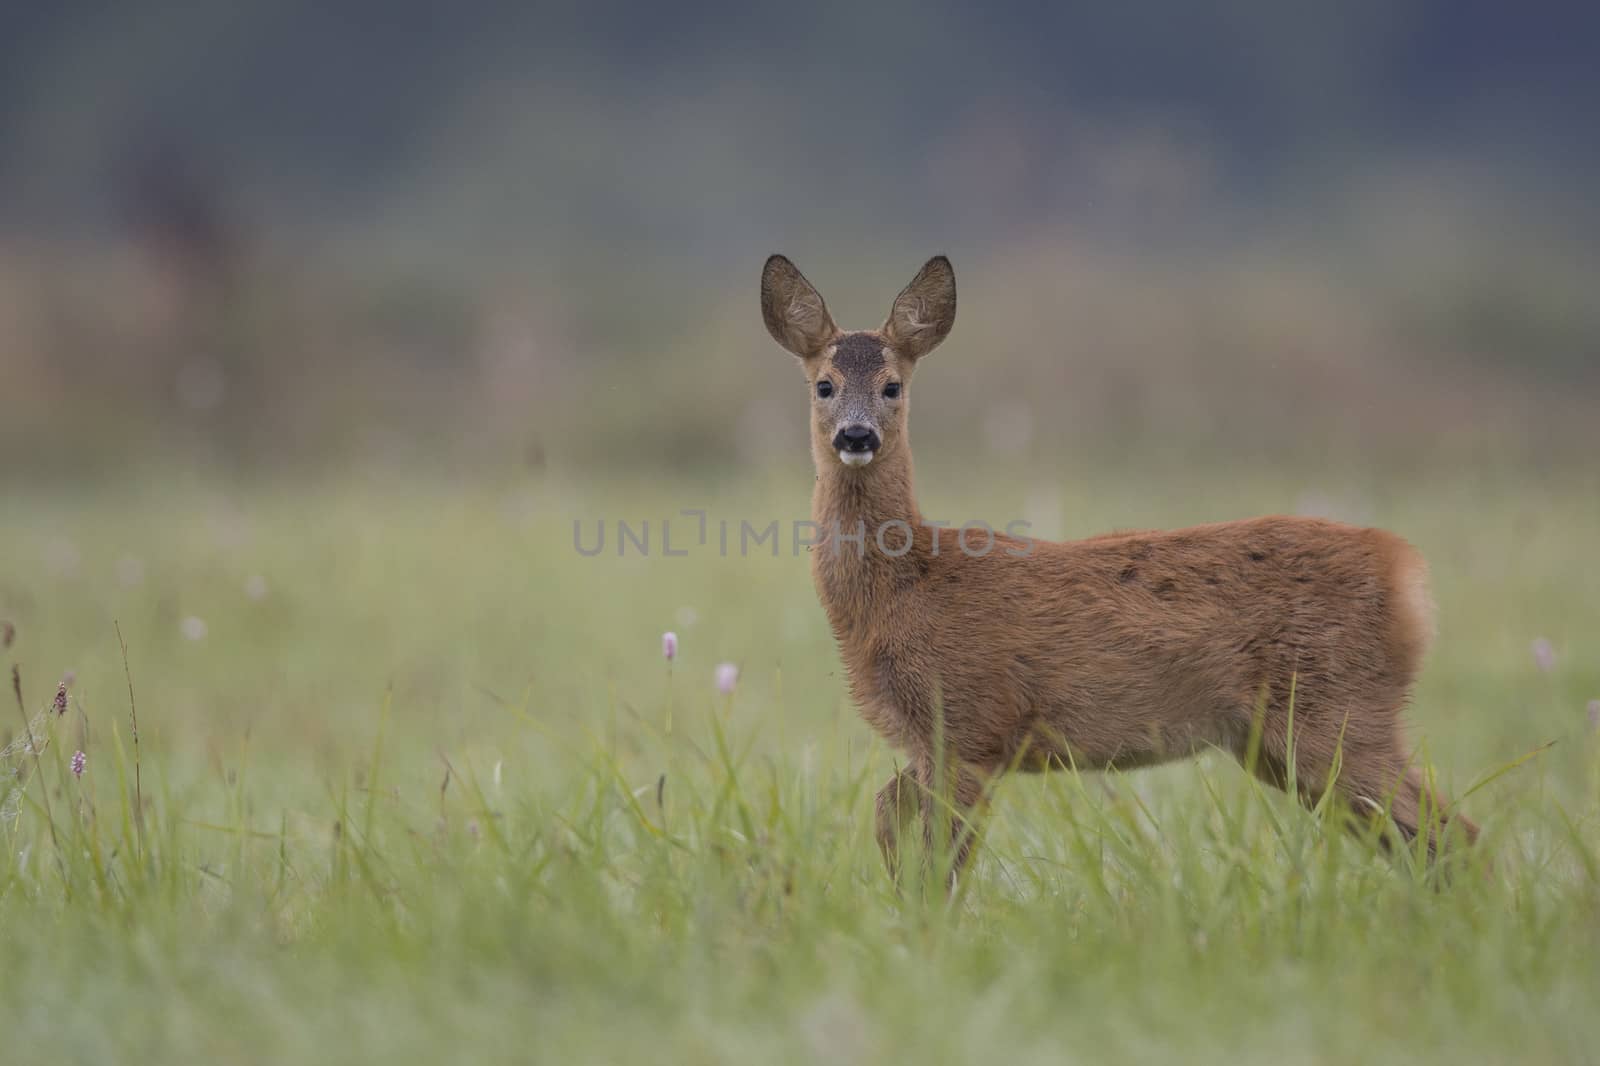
(1123, 650)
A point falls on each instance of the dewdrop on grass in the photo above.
(17, 760)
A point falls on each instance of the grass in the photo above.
(426, 791)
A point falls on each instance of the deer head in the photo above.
(859, 381)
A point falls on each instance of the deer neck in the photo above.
(864, 516)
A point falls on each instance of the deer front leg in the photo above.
(952, 805)
(898, 803)
(947, 806)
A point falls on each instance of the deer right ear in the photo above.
(924, 312)
(793, 310)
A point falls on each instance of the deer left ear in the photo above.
(793, 309)
(924, 312)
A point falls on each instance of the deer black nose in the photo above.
(856, 439)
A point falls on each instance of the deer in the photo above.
(1290, 642)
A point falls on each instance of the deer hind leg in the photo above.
(1315, 762)
(1415, 809)
(1374, 779)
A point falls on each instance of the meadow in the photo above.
(418, 785)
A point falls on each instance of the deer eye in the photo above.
(891, 391)
(824, 388)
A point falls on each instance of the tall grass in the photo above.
(437, 797)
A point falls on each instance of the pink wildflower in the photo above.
(78, 759)
(727, 678)
(1544, 655)
(669, 646)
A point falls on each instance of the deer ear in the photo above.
(924, 312)
(794, 312)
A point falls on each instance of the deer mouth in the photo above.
(856, 443)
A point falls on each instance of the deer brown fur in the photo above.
(1119, 651)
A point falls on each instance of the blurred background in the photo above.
(287, 237)
(322, 325)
